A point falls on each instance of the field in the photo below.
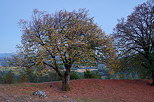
(85, 90)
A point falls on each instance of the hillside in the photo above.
(4, 55)
(3, 61)
(85, 90)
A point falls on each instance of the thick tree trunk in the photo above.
(66, 80)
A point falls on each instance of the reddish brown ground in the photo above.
(86, 90)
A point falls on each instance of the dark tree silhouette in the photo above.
(135, 36)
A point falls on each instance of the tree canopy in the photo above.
(135, 36)
(64, 40)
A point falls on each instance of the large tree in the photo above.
(63, 40)
(135, 36)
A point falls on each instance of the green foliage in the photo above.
(6, 77)
(9, 77)
(27, 75)
(133, 65)
(74, 75)
(90, 74)
(31, 76)
(23, 77)
(108, 77)
(125, 75)
(53, 76)
(2, 76)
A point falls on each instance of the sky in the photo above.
(105, 13)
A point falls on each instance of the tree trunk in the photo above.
(66, 80)
(152, 79)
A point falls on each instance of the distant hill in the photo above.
(4, 55)
(3, 61)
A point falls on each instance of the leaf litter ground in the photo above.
(85, 90)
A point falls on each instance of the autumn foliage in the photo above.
(64, 40)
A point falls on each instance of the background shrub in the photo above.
(9, 77)
(74, 75)
(23, 77)
(91, 74)
(53, 76)
(2, 76)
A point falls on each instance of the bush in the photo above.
(2, 76)
(74, 75)
(27, 75)
(44, 78)
(53, 76)
(91, 74)
(9, 77)
(23, 77)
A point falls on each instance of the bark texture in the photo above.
(66, 80)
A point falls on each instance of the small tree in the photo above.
(135, 36)
(63, 40)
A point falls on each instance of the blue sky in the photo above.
(105, 13)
